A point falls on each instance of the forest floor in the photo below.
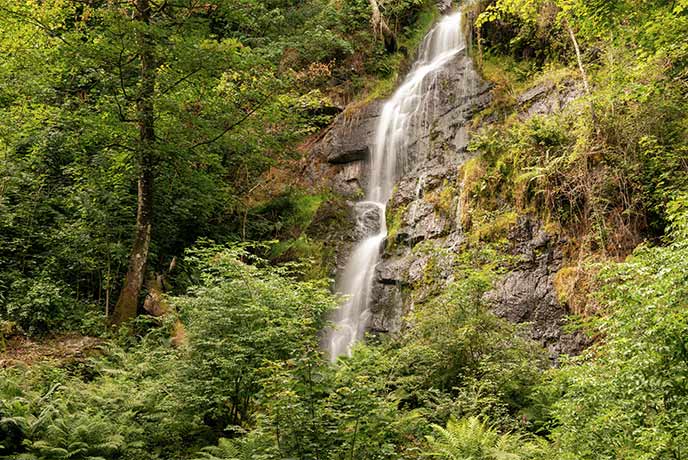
(19, 350)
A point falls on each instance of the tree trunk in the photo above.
(579, 59)
(380, 27)
(127, 304)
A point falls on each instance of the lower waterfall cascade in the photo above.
(401, 123)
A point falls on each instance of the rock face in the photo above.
(416, 207)
(349, 137)
(548, 98)
(425, 207)
(526, 294)
(444, 5)
(369, 217)
(346, 148)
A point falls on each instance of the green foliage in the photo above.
(239, 318)
(246, 379)
(618, 162)
(317, 411)
(40, 305)
(251, 371)
(604, 179)
(231, 449)
(284, 216)
(473, 439)
(460, 359)
(238, 85)
(123, 413)
(151, 400)
(627, 397)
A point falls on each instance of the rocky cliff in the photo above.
(425, 213)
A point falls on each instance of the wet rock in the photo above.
(369, 217)
(335, 224)
(325, 109)
(455, 94)
(394, 270)
(526, 293)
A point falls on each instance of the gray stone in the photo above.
(534, 93)
(548, 98)
(349, 137)
(417, 269)
(526, 294)
(369, 218)
(394, 269)
(444, 5)
(387, 311)
(349, 179)
(421, 222)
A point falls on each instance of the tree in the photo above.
(145, 113)
(163, 95)
(380, 27)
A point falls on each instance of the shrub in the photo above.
(628, 397)
(39, 305)
(239, 318)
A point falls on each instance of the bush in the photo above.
(146, 399)
(39, 305)
(628, 397)
(240, 318)
(460, 359)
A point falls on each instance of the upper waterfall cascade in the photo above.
(399, 126)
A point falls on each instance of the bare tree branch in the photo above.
(181, 80)
(380, 27)
(579, 58)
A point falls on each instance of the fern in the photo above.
(473, 439)
(247, 448)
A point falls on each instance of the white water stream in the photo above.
(388, 162)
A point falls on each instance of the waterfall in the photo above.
(400, 124)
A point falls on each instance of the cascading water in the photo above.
(397, 128)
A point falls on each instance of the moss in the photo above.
(430, 272)
(395, 218)
(442, 199)
(305, 206)
(574, 286)
(471, 173)
(285, 216)
(315, 256)
(493, 227)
